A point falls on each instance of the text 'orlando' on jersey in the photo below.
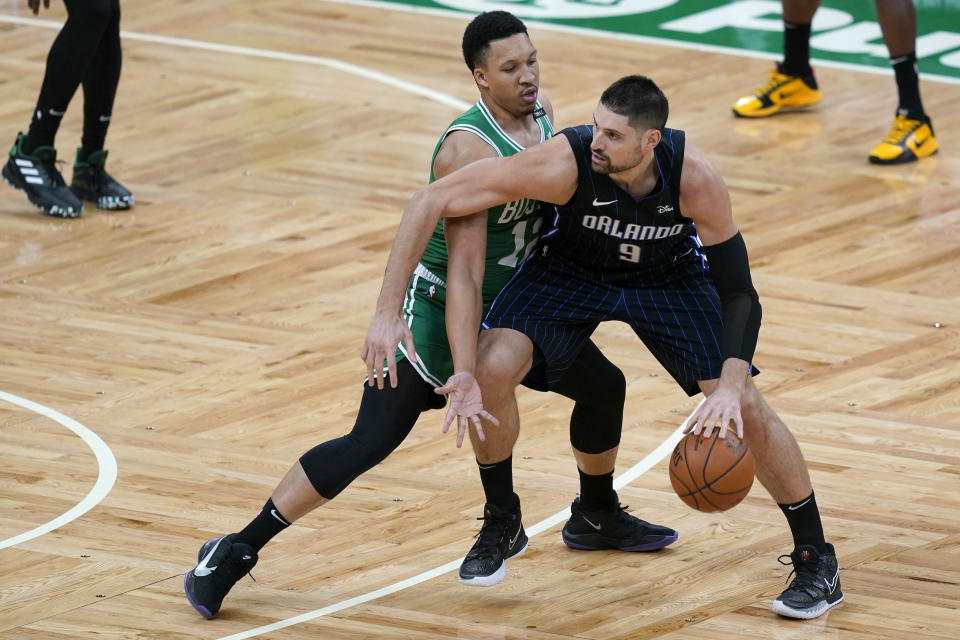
(603, 229)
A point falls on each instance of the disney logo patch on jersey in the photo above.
(665, 208)
(540, 112)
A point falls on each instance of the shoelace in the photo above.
(54, 172)
(806, 573)
(776, 81)
(901, 128)
(489, 539)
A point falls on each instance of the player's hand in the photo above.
(386, 331)
(35, 5)
(466, 405)
(721, 408)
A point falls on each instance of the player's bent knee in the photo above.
(333, 465)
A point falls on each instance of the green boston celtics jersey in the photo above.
(511, 232)
(512, 229)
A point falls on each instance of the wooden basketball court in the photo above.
(209, 336)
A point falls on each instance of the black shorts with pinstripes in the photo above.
(558, 305)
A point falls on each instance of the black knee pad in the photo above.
(599, 389)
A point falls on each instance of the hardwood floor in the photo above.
(210, 336)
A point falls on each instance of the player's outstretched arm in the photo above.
(546, 172)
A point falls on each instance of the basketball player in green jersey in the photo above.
(486, 246)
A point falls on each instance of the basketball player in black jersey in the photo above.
(643, 232)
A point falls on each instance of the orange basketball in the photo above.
(711, 474)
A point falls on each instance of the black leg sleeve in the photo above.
(599, 389)
(385, 419)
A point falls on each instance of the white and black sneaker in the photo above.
(816, 584)
(501, 537)
(36, 175)
(613, 529)
(221, 563)
(92, 182)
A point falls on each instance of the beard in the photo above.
(607, 168)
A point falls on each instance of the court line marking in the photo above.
(653, 458)
(269, 54)
(634, 472)
(630, 37)
(106, 476)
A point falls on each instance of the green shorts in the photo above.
(424, 307)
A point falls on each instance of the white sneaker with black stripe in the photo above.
(36, 175)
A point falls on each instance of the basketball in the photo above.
(711, 474)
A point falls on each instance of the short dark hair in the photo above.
(484, 29)
(640, 100)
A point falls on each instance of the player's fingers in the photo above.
(447, 421)
(708, 423)
(408, 343)
(478, 427)
(461, 431)
(739, 422)
(392, 368)
(489, 418)
(692, 422)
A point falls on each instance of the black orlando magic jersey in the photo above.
(604, 230)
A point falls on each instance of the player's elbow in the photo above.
(425, 207)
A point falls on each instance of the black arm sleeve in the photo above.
(730, 271)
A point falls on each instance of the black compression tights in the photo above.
(86, 51)
(386, 417)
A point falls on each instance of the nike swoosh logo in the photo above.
(595, 526)
(513, 540)
(794, 507)
(597, 203)
(898, 60)
(832, 584)
(104, 118)
(202, 569)
(276, 515)
(56, 113)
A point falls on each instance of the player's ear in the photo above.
(480, 77)
(651, 137)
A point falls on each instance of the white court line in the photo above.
(105, 478)
(332, 63)
(653, 458)
(634, 472)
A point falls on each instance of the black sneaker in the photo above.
(501, 537)
(37, 176)
(613, 529)
(221, 564)
(816, 586)
(92, 182)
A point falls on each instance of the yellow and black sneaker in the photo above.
(781, 92)
(908, 141)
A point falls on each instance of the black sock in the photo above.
(261, 529)
(596, 492)
(497, 480)
(804, 520)
(908, 85)
(796, 49)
